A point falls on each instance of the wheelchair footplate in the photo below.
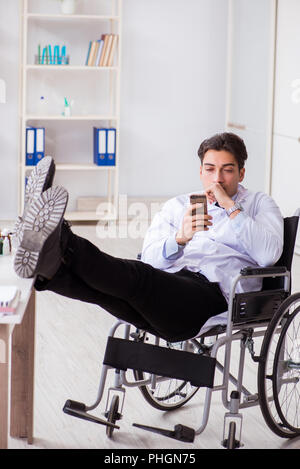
(78, 409)
(180, 432)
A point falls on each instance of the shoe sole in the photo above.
(42, 218)
(40, 179)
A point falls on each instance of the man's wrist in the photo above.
(228, 204)
(181, 240)
(234, 210)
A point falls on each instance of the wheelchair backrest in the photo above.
(286, 258)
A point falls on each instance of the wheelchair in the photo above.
(169, 374)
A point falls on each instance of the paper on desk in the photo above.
(9, 299)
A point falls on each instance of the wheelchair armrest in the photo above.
(263, 270)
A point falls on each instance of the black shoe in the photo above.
(40, 179)
(40, 250)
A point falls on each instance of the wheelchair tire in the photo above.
(169, 394)
(231, 442)
(272, 371)
(113, 415)
(287, 358)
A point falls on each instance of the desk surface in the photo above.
(9, 277)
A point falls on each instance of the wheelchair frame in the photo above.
(243, 332)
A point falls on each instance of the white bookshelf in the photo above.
(41, 16)
(32, 117)
(69, 68)
(95, 91)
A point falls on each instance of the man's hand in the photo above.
(216, 193)
(192, 223)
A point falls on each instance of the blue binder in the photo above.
(39, 144)
(100, 143)
(30, 146)
(111, 147)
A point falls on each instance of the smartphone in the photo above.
(199, 199)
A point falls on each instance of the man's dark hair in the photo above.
(226, 141)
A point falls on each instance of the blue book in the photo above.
(56, 55)
(88, 54)
(100, 146)
(30, 146)
(39, 144)
(111, 147)
(97, 60)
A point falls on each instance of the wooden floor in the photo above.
(70, 343)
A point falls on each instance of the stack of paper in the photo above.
(9, 299)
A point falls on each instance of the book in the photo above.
(9, 299)
(107, 50)
(92, 52)
(112, 50)
(97, 61)
(94, 61)
(101, 52)
(105, 38)
(88, 53)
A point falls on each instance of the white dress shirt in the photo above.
(254, 237)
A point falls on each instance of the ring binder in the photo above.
(111, 147)
(100, 142)
(30, 146)
(39, 144)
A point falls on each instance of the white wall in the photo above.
(9, 128)
(173, 91)
(172, 94)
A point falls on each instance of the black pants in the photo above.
(171, 305)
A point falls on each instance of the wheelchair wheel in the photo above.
(287, 367)
(231, 442)
(113, 415)
(278, 371)
(171, 393)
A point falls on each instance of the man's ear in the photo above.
(242, 174)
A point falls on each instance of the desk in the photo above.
(17, 359)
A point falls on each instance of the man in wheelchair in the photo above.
(188, 260)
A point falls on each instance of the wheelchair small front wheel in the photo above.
(231, 442)
(112, 415)
(168, 393)
(279, 370)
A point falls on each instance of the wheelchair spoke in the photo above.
(287, 360)
(170, 393)
(278, 374)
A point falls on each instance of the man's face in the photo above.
(221, 167)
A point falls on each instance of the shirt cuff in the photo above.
(171, 249)
(238, 221)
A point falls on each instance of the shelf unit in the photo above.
(96, 92)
